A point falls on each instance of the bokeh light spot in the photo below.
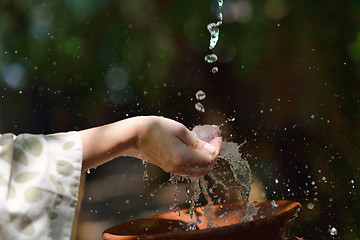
(14, 75)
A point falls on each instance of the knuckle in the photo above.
(181, 131)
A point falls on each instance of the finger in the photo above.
(210, 149)
(190, 139)
(193, 157)
(190, 161)
(185, 135)
(216, 142)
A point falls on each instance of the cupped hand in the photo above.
(171, 146)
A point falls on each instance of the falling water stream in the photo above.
(214, 31)
(211, 58)
(231, 172)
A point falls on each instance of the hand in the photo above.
(157, 140)
(171, 146)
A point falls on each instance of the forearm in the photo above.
(101, 144)
(157, 140)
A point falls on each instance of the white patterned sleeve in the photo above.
(39, 185)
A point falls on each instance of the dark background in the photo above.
(288, 83)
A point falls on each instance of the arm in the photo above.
(157, 140)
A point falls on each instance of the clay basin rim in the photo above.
(270, 223)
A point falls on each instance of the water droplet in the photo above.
(200, 95)
(310, 205)
(146, 175)
(276, 181)
(214, 70)
(199, 107)
(312, 116)
(220, 2)
(188, 192)
(211, 58)
(192, 226)
(333, 231)
(173, 207)
(214, 33)
(231, 119)
(274, 204)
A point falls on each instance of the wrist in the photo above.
(127, 131)
(142, 128)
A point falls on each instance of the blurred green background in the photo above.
(288, 83)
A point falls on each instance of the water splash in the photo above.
(208, 209)
(232, 170)
(229, 180)
(174, 179)
(251, 210)
(230, 177)
(196, 194)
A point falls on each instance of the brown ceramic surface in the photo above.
(270, 223)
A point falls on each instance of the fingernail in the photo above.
(209, 148)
